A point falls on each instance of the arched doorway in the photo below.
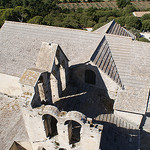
(74, 129)
(50, 125)
(90, 77)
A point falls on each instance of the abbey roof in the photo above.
(111, 48)
(20, 44)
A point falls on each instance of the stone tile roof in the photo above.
(103, 59)
(140, 13)
(31, 76)
(20, 44)
(104, 28)
(12, 125)
(46, 56)
(133, 64)
(116, 29)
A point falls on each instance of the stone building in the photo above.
(49, 78)
(89, 91)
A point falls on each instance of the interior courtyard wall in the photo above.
(103, 81)
(78, 75)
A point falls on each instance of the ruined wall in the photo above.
(78, 75)
(103, 82)
(59, 75)
(68, 131)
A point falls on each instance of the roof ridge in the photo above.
(50, 27)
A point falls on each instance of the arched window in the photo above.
(50, 124)
(90, 77)
(73, 131)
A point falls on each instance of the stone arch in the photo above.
(74, 120)
(52, 110)
(50, 125)
(90, 77)
(50, 120)
(76, 116)
(74, 128)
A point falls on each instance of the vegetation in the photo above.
(140, 5)
(48, 12)
(123, 3)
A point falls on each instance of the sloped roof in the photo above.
(133, 64)
(20, 44)
(114, 28)
(103, 59)
(12, 125)
(47, 55)
(31, 76)
(104, 28)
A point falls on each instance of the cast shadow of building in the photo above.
(118, 135)
(86, 92)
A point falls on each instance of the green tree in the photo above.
(133, 22)
(123, 3)
(22, 14)
(135, 32)
(121, 20)
(128, 9)
(70, 22)
(142, 39)
(145, 17)
(146, 25)
(36, 20)
(1, 22)
(9, 14)
(98, 25)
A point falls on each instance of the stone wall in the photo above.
(102, 82)
(73, 128)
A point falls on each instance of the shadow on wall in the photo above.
(86, 92)
(43, 92)
(145, 138)
(50, 124)
(116, 137)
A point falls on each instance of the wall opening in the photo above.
(74, 129)
(90, 77)
(50, 125)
